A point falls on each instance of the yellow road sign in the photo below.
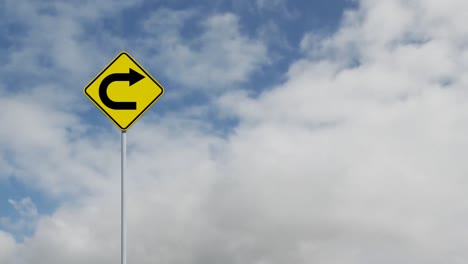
(123, 91)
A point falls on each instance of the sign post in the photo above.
(123, 220)
(123, 91)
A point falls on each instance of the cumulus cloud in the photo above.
(358, 157)
(8, 249)
(27, 216)
(44, 147)
(214, 59)
(25, 207)
(279, 7)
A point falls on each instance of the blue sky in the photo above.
(289, 132)
(288, 22)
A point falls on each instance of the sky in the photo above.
(289, 132)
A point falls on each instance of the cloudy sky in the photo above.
(322, 131)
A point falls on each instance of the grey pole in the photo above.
(123, 222)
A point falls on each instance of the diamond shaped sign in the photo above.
(123, 91)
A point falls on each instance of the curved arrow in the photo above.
(131, 77)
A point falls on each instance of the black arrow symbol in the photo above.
(131, 77)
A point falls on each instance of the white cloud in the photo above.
(263, 4)
(25, 207)
(278, 7)
(385, 134)
(8, 248)
(357, 158)
(26, 219)
(42, 146)
(215, 59)
(54, 42)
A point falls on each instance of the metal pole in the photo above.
(123, 222)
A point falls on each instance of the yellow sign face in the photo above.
(123, 91)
